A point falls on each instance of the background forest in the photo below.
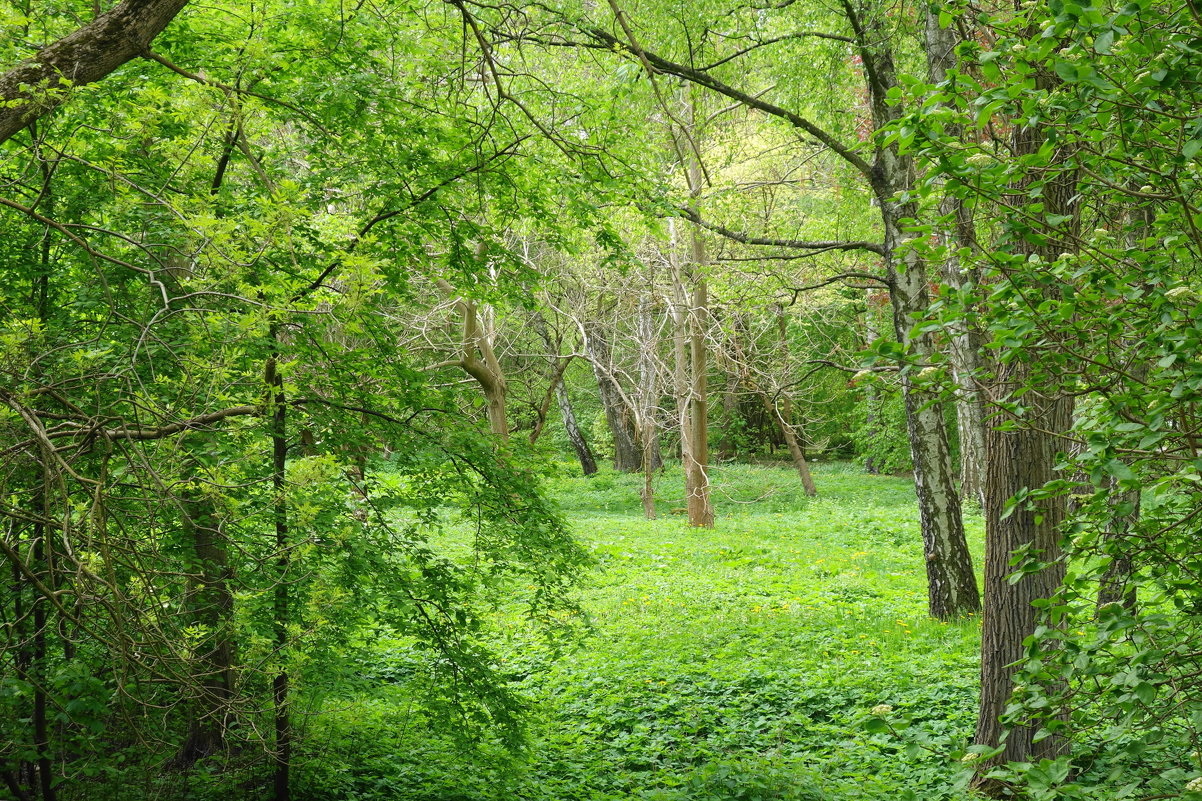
(439, 399)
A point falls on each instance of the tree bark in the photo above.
(477, 337)
(280, 612)
(627, 458)
(780, 417)
(37, 86)
(964, 340)
(951, 581)
(952, 584)
(588, 463)
(648, 397)
(1022, 458)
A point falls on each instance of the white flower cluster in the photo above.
(927, 372)
(1194, 785)
(880, 710)
(970, 757)
(1180, 293)
(979, 159)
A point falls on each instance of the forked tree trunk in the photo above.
(478, 335)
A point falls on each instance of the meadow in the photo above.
(738, 664)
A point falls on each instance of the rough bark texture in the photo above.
(38, 85)
(1022, 458)
(627, 457)
(1019, 459)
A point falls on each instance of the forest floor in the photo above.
(738, 664)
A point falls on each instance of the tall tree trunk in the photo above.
(694, 420)
(627, 457)
(1021, 455)
(952, 584)
(1020, 459)
(964, 341)
(951, 581)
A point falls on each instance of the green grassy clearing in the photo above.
(733, 665)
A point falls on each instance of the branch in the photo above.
(183, 425)
(38, 85)
(235, 90)
(795, 244)
(702, 78)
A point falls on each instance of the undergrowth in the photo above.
(738, 664)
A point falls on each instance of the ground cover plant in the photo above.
(737, 663)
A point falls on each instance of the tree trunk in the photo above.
(478, 337)
(627, 458)
(964, 341)
(790, 437)
(872, 401)
(280, 610)
(210, 604)
(588, 463)
(1020, 459)
(648, 400)
(694, 424)
(82, 57)
(951, 581)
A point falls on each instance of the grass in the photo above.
(736, 664)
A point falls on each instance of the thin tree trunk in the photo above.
(872, 401)
(647, 398)
(281, 612)
(790, 437)
(951, 581)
